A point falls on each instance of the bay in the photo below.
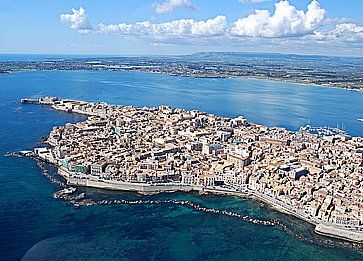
(33, 225)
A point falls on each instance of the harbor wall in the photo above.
(145, 188)
(283, 209)
(330, 231)
(128, 186)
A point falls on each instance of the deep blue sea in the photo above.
(34, 226)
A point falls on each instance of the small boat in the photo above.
(25, 152)
(69, 190)
(64, 192)
(360, 120)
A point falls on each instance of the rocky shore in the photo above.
(356, 238)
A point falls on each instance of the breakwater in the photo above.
(191, 205)
(81, 200)
(46, 174)
(271, 223)
(88, 202)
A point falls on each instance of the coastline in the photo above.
(297, 83)
(277, 80)
(344, 241)
(145, 188)
(341, 234)
(321, 228)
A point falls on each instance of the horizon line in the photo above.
(186, 54)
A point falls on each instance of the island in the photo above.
(313, 174)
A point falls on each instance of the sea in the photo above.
(35, 226)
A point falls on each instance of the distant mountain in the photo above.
(242, 55)
(272, 58)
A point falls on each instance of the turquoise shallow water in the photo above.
(33, 225)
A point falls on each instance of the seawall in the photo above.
(353, 236)
(142, 188)
(146, 188)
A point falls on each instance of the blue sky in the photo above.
(332, 27)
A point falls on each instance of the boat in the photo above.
(360, 120)
(64, 192)
(69, 190)
(25, 152)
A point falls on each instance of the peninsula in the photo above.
(315, 177)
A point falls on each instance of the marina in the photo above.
(323, 131)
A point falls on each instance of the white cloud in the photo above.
(286, 21)
(168, 6)
(183, 27)
(348, 32)
(216, 26)
(77, 20)
(341, 32)
(284, 25)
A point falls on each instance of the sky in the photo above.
(165, 27)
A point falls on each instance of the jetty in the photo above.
(30, 100)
